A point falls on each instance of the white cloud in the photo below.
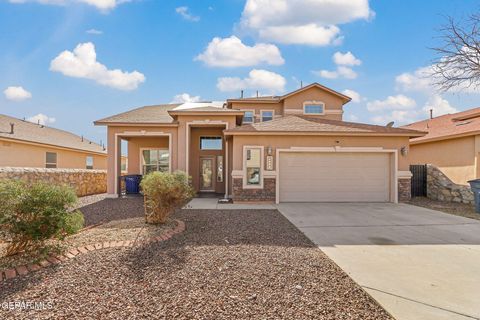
(82, 63)
(352, 118)
(356, 98)
(231, 52)
(311, 22)
(256, 80)
(439, 106)
(41, 119)
(185, 97)
(398, 102)
(310, 34)
(423, 80)
(346, 59)
(94, 31)
(341, 72)
(185, 13)
(402, 109)
(17, 94)
(399, 117)
(102, 5)
(419, 80)
(343, 62)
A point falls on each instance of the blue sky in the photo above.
(159, 49)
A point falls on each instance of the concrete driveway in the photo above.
(417, 263)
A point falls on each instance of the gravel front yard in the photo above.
(233, 264)
(458, 209)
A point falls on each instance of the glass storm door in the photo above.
(206, 174)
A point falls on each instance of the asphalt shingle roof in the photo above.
(33, 132)
(295, 123)
(454, 124)
(147, 114)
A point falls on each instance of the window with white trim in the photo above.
(155, 160)
(248, 117)
(313, 108)
(253, 166)
(50, 160)
(89, 162)
(267, 115)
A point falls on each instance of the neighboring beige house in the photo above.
(290, 148)
(452, 144)
(27, 144)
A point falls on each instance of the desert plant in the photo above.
(36, 212)
(163, 193)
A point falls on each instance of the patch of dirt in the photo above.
(458, 209)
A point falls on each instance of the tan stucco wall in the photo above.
(454, 157)
(317, 141)
(196, 154)
(114, 151)
(136, 144)
(294, 104)
(14, 154)
(258, 107)
(179, 142)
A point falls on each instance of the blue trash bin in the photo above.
(132, 183)
(475, 185)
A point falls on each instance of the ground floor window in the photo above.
(253, 165)
(89, 162)
(51, 160)
(155, 160)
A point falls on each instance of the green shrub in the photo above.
(163, 193)
(74, 222)
(33, 213)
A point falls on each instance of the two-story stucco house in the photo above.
(290, 148)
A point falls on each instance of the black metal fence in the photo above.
(419, 180)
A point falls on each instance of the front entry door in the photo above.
(206, 174)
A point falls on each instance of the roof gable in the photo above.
(319, 86)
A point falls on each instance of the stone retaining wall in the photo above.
(440, 187)
(85, 182)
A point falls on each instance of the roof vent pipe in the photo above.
(301, 84)
(12, 125)
(257, 93)
(241, 94)
(431, 113)
(82, 138)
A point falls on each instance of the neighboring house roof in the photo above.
(280, 98)
(448, 126)
(205, 109)
(148, 114)
(34, 133)
(304, 124)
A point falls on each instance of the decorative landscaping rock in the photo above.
(440, 187)
(85, 182)
(72, 253)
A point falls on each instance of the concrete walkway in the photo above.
(417, 263)
(212, 203)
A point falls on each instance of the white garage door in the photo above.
(334, 177)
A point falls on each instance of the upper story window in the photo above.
(313, 107)
(51, 160)
(89, 162)
(267, 115)
(248, 117)
(211, 143)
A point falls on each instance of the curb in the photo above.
(22, 270)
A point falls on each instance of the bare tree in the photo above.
(457, 65)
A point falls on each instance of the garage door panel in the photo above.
(334, 177)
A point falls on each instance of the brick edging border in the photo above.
(22, 270)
